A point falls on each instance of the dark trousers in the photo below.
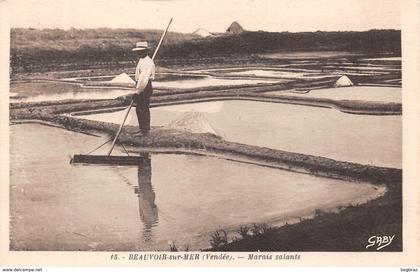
(143, 107)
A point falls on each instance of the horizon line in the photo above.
(156, 29)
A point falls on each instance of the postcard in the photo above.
(222, 133)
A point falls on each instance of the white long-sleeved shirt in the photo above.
(145, 71)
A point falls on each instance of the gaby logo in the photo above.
(380, 241)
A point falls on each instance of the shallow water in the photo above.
(294, 72)
(386, 59)
(366, 139)
(182, 198)
(276, 73)
(367, 68)
(364, 93)
(208, 81)
(161, 76)
(53, 91)
(309, 55)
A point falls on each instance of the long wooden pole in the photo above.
(132, 101)
(121, 126)
(161, 39)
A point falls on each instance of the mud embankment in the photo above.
(161, 138)
(205, 94)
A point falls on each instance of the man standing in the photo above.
(145, 73)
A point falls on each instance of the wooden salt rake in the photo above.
(118, 160)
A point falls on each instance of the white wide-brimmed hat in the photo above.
(140, 46)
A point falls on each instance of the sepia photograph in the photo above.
(205, 126)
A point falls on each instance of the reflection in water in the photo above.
(147, 207)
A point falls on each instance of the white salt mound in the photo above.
(193, 122)
(123, 79)
(343, 81)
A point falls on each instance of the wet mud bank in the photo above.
(164, 98)
(348, 230)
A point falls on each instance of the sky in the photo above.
(212, 15)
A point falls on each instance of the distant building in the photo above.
(235, 28)
(202, 33)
